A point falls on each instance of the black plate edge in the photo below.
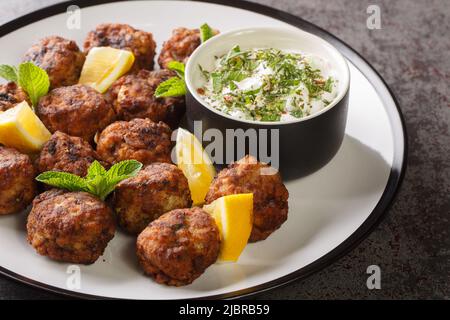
(395, 116)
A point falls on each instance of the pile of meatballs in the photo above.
(175, 241)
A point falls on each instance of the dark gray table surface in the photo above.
(412, 244)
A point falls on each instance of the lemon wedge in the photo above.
(234, 217)
(21, 129)
(103, 66)
(195, 164)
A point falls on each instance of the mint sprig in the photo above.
(206, 32)
(33, 79)
(98, 181)
(175, 86)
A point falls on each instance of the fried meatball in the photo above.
(125, 37)
(177, 248)
(10, 95)
(180, 46)
(140, 139)
(67, 154)
(157, 189)
(17, 184)
(132, 96)
(61, 58)
(270, 196)
(71, 227)
(77, 110)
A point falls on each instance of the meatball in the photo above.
(157, 189)
(61, 58)
(180, 46)
(177, 248)
(132, 96)
(125, 37)
(140, 139)
(77, 110)
(71, 227)
(17, 185)
(270, 196)
(10, 95)
(65, 153)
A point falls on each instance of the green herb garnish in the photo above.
(98, 181)
(30, 77)
(175, 86)
(277, 84)
(206, 32)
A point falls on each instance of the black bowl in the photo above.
(296, 148)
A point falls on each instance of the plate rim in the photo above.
(392, 108)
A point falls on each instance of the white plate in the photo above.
(330, 211)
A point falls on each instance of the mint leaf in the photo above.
(98, 181)
(173, 87)
(63, 180)
(177, 66)
(8, 73)
(206, 32)
(33, 80)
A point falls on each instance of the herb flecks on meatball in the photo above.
(10, 95)
(139, 139)
(67, 154)
(179, 46)
(177, 248)
(270, 196)
(70, 227)
(77, 110)
(157, 189)
(132, 96)
(125, 37)
(59, 57)
(17, 185)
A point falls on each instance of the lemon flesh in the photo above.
(234, 217)
(195, 164)
(103, 66)
(21, 129)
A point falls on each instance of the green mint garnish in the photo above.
(30, 77)
(206, 32)
(98, 181)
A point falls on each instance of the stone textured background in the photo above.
(412, 245)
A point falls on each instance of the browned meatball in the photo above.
(10, 95)
(157, 189)
(61, 58)
(67, 154)
(77, 110)
(125, 37)
(139, 139)
(17, 185)
(270, 196)
(177, 248)
(132, 96)
(71, 227)
(180, 46)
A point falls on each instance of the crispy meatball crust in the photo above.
(140, 139)
(67, 154)
(179, 46)
(132, 96)
(17, 184)
(177, 248)
(71, 227)
(61, 58)
(77, 110)
(10, 95)
(125, 37)
(270, 196)
(157, 189)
